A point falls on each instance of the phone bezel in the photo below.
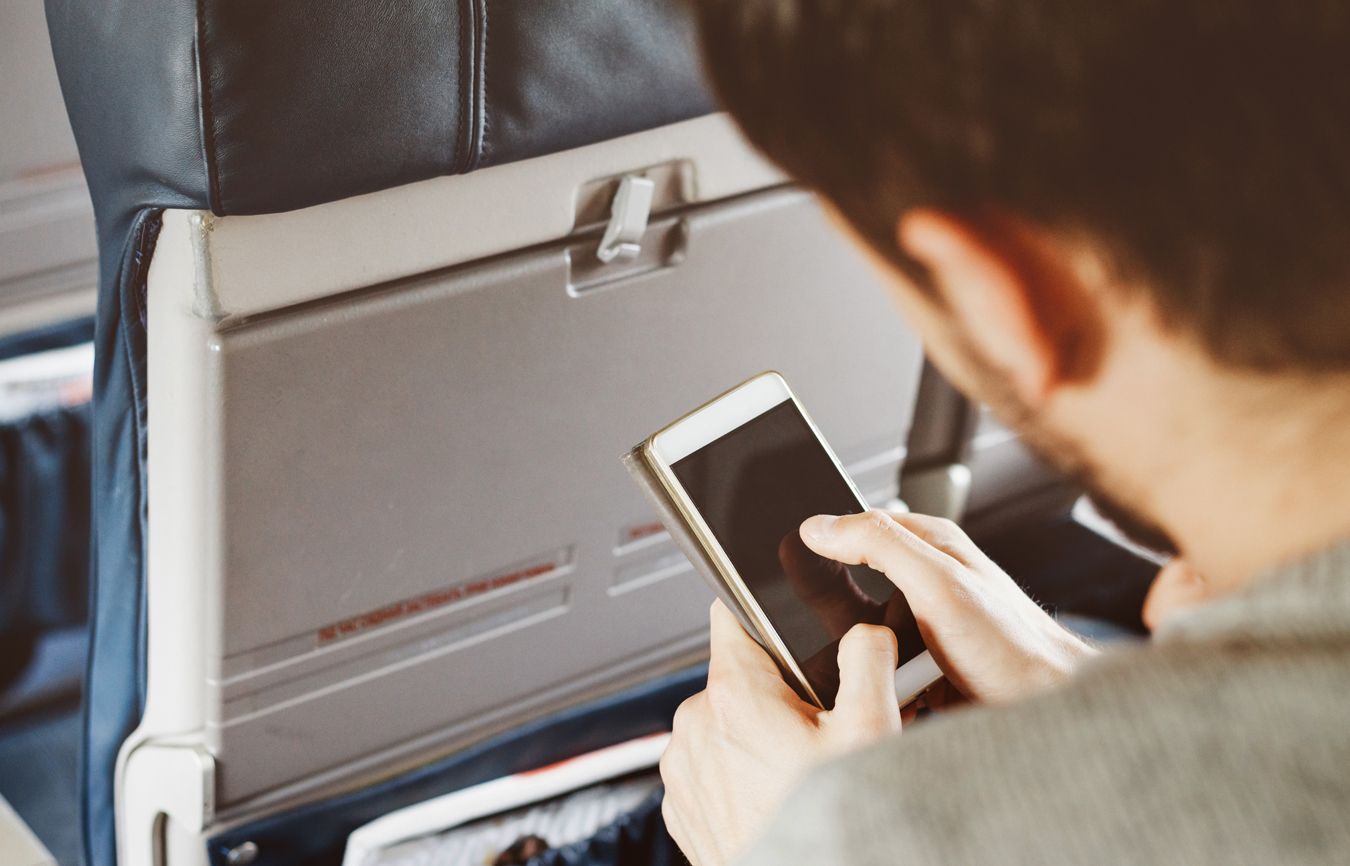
(705, 425)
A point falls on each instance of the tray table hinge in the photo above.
(162, 778)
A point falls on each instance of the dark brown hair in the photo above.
(1203, 144)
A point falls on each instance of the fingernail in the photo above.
(818, 528)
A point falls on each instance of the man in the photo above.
(1127, 227)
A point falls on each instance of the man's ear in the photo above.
(1006, 290)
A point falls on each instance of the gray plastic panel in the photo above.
(427, 529)
(37, 137)
(1002, 468)
(48, 267)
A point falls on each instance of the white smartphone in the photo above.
(741, 473)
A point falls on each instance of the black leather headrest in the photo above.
(252, 106)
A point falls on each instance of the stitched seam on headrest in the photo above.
(482, 113)
(464, 56)
(208, 119)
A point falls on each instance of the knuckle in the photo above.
(684, 715)
(869, 639)
(880, 536)
(950, 527)
(938, 529)
(927, 521)
(945, 540)
(879, 523)
(948, 536)
(875, 527)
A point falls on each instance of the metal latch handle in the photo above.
(628, 216)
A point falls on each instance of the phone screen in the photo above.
(754, 486)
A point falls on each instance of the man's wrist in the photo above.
(1057, 660)
(1069, 653)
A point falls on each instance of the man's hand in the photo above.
(742, 744)
(990, 639)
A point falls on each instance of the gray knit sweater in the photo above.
(1226, 740)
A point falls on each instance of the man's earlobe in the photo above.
(1177, 587)
(1005, 295)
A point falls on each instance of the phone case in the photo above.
(636, 464)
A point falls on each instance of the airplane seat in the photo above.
(385, 292)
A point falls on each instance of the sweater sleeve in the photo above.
(1194, 756)
(811, 829)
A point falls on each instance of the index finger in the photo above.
(941, 533)
(877, 540)
(826, 587)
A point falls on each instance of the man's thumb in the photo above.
(866, 702)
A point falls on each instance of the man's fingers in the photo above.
(941, 533)
(868, 657)
(825, 586)
(876, 539)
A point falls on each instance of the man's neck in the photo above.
(1245, 471)
(1260, 478)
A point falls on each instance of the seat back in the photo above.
(389, 514)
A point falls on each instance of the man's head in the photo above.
(1104, 219)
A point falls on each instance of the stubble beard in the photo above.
(1111, 501)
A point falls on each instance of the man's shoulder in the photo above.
(1162, 753)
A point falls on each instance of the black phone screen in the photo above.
(754, 486)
